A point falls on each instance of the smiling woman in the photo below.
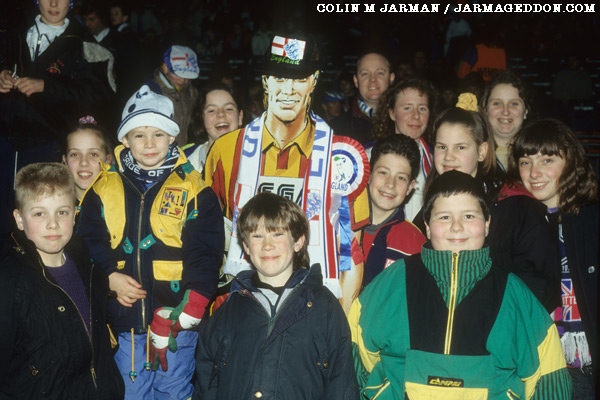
(504, 103)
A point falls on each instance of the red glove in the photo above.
(160, 336)
(188, 314)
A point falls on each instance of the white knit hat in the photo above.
(146, 108)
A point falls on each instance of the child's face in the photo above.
(411, 113)
(149, 146)
(54, 12)
(455, 148)
(389, 185)
(48, 222)
(457, 223)
(220, 114)
(272, 254)
(540, 175)
(85, 150)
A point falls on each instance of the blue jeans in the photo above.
(173, 384)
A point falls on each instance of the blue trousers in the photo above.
(173, 384)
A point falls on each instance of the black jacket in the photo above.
(300, 352)
(46, 350)
(353, 123)
(74, 86)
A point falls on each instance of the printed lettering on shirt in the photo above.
(290, 188)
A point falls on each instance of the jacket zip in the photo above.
(92, 369)
(138, 255)
(451, 303)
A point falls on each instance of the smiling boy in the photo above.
(54, 339)
(156, 229)
(281, 333)
(448, 323)
(389, 237)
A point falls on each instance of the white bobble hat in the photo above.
(147, 108)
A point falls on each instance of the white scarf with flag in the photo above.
(311, 191)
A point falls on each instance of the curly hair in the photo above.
(578, 184)
(487, 170)
(383, 125)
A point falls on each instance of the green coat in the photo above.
(453, 326)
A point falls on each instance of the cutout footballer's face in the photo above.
(540, 174)
(272, 254)
(457, 223)
(54, 12)
(288, 99)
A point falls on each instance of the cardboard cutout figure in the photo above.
(292, 152)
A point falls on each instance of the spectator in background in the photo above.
(128, 57)
(332, 104)
(96, 17)
(173, 79)
(572, 83)
(54, 76)
(261, 40)
(372, 78)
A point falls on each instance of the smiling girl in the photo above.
(218, 113)
(552, 166)
(86, 147)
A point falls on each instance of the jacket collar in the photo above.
(243, 280)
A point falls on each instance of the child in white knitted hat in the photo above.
(156, 229)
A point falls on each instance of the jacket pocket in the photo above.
(380, 392)
(220, 362)
(167, 270)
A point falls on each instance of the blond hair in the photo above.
(43, 179)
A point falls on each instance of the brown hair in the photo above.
(97, 130)
(276, 213)
(43, 179)
(487, 170)
(383, 125)
(577, 184)
(507, 78)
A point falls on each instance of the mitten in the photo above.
(188, 314)
(160, 338)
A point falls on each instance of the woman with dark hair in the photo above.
(219, 112)
(406, 108)
(552, 165)
(505, 106)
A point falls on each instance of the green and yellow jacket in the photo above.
(453, 326)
